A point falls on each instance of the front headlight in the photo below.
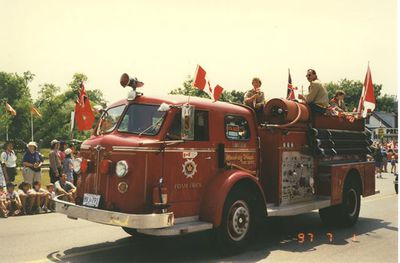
(76, 163)
(121, 169)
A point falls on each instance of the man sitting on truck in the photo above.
(317, 97)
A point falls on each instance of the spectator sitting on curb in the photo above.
(51, 205)
(3, 207)
(13, 203)
(27, 197)
(42, 197)
(66, 188)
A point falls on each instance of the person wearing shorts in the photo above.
(32, 162)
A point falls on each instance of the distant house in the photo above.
(382, 125)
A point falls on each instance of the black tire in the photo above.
(134, 233)
(345, 214)
(238, 223)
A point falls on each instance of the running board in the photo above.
(297, 208)
(182, 226)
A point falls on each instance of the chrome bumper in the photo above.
(137, 221)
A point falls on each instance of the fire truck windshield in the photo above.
(142, 119)
(110, 118)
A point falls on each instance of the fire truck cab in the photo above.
(176, 165)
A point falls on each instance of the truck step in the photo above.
(298, 208)
(181, 227)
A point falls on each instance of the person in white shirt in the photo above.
(8, 159)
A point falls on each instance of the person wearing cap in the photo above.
(68, 167)
(55, 162)
(13, 203)
(32, 162)
(8, 159)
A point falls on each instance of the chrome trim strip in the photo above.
(137, 221)
(204, 150)
(179, 229)
(297, 208)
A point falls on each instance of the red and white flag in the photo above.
(10, 109)
(367, 100)
(83, 111)
(202, 83)
(290, 89)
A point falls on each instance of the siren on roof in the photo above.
(134, 83)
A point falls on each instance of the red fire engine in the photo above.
(176, 165)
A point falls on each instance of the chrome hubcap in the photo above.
(238, 220)
(352, 202)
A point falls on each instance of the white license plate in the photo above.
(91, 200)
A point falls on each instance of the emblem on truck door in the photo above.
(189, 168)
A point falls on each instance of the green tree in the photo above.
(56, 108)
(187, 89)
(14, 89)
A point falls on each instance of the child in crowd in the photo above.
(28, 198)
(52, 194)
(42, 196)
(68, 167)
(67, 189)
(3, 198)
(13, 203)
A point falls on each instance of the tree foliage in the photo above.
(187, 89)
(54, 105)
(14, 90)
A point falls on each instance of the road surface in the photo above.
(54, 237)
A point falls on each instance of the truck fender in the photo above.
(217, 190)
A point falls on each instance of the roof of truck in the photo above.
(201, 103)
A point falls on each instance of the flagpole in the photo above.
(7, 133)
(31, 126)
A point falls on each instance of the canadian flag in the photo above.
(202, 83)
(367, 100)
(10, 109)
(83, 111)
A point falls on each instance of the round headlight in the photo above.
(76, 163)
(121, 169)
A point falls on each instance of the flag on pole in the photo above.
(83, 111)
(10, 109)
(36, 112)
(367, 100)
(290, 89)
(202, 83)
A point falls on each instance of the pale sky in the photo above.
(161, 42)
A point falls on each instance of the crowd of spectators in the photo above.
(384, 154)
(29, 197)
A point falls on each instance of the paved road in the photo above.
(53, 237)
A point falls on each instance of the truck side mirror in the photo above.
(221, 155)
(187, 122)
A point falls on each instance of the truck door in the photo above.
(188, 164)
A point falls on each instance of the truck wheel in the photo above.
(233, 235)
(345, 214)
